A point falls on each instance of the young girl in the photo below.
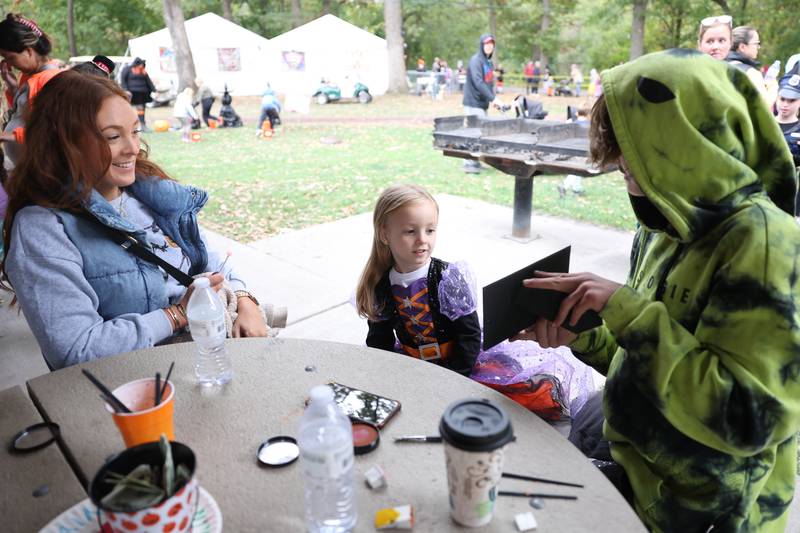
(184, 111)
(414, 303)
(425, 308)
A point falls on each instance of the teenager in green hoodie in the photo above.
(701, 346)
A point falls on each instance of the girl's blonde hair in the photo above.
(380, 257)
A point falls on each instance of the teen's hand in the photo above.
(249, 322)
(546, 333)
(586, 291)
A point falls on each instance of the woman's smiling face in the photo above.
(119, 124)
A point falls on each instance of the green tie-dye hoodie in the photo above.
(701, 347)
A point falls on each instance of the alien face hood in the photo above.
(698, 137)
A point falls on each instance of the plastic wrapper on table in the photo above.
(550, 382)
(457, 291)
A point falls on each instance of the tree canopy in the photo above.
(594, 33)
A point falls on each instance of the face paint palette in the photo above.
(366, 437)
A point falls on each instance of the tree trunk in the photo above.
(173, 17)
(227, 12)
(326, 7)
(73, 50)
(393, 24)
(544, 27)
(676, 38)
(724, 5)
(492, 19)
(297, 15)
(637, 29)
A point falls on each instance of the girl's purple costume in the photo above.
(434, 318)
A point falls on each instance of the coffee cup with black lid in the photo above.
(475, 433)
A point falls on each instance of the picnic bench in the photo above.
(522, 148)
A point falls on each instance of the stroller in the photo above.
(529, 108)
(228, 117)
(564, 89)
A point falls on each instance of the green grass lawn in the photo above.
(333, 162)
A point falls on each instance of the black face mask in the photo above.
(648, 214)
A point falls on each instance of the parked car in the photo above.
(329, 92)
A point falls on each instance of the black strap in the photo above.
(129, 243)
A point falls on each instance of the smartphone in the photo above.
(365, 406)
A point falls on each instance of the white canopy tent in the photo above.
(224, 53)
(329, 48)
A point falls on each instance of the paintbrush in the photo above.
(115, 402)
(536, 495)
(169, 373)
(221, 268)
(107, 400)
(540, 480)
(418, 438)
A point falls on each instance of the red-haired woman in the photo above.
(84, 171)
(26, 47)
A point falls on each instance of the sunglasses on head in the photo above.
(713, 21)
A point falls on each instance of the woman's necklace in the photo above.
(123, 198)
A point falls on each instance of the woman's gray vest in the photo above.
(123, 282)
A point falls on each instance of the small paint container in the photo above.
(366, 437)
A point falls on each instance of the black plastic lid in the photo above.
(476, 425)
(278, 451)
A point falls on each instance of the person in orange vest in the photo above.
(25, 47)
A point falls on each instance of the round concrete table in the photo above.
(266, 398)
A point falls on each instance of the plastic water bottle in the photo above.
(207, 325)
(326, 455)
(773, 71)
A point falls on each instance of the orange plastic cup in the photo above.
(147, 421)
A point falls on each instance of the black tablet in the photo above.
(508, 307)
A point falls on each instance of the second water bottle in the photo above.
(326, 455)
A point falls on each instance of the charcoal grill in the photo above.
(522, 148)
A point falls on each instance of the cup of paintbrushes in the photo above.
(151, 402)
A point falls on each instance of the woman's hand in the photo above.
(586, 291)
(8, 77)
(249, 322)
(7, 137)
(214, 278)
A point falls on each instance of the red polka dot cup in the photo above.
(172, 515)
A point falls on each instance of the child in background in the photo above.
(414, 303)
(571, 181)
(184, 111)
(270, 110)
